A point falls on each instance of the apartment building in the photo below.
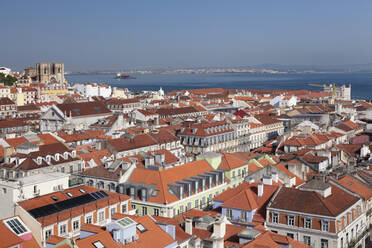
(175, 190)
(62, 213)
(202, 137)
(7, 107)
(122, 105)
(78, 116)
(31, 159)
(13, 191)
(132, 144)
(320, 214)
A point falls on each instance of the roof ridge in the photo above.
(322, 202)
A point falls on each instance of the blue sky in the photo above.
(160, 34)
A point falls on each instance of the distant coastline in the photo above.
(214, 71)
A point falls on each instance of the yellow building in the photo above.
(53, 90)
(119, 93)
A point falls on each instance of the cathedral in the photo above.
(50, 73)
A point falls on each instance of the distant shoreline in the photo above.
(177, 72)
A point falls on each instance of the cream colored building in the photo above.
(13, 191)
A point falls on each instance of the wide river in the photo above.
(361, 82)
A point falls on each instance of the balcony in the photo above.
(360, 235)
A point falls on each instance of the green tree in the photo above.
(7, 80)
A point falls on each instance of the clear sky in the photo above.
(159, 34)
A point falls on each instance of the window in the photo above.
(156, 211)
(243, 215)
(196, 203)
(144, 210)
(189, 206)
(88, 220)
(291, 220)
(323, 243)
(307, 240)
(307, 223)
(112, 211)
(339, 225)
(48, 233)
(62, 229)
(228, 213)
(124, 208)
(101, 216)
(133, 206)
(325, 225)
(291, 235)
(75, 225)
(275, 218)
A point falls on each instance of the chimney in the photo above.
(219, 228)
(260, 189)
(188, 226)
(219, 231)
(275, 176)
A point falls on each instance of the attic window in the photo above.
(141, 228)
(69, 194)
(98, 244)
(54, 198)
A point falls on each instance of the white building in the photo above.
(283, 101)
(92, 89)
(13, 191)
(5, 71)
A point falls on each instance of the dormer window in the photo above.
(73, 154)
(65, 155)
(307, 223)
(39, 160)
(56, 157)
(325, 225)
(48, 158)
(275, 218)
(291, 220)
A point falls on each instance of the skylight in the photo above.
(16, 226)
(69, 194)
(82, 191)
(98, 244)
(126, 221)
(155, 193)
(141, 228)
(54, 198)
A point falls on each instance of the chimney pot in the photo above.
(260, 189)
(188, 226)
